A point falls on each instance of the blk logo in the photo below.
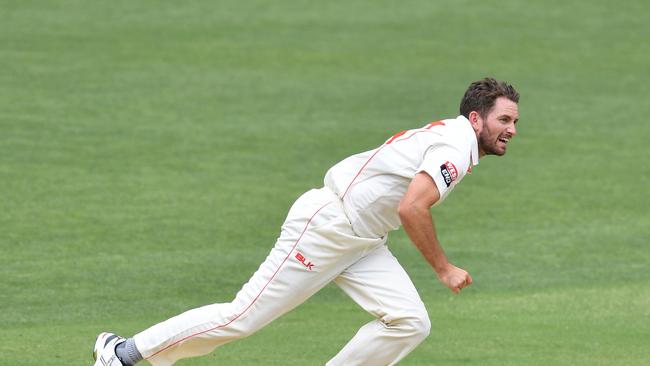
(301, 258)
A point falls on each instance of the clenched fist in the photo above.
(455, 278)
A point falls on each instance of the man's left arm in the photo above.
(415, 214)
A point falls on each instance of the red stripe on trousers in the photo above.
(258, 295)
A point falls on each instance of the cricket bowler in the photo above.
(339, 233)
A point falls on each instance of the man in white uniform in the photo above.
(339, 232)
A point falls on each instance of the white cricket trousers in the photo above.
(316, 246)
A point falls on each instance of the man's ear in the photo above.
(476, 121)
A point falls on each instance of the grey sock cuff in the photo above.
(128, 353)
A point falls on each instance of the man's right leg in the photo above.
(315, 245)
(379, 284)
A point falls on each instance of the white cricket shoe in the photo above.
(104, 352)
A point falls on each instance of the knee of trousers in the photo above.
(241, 330)
(414, 325)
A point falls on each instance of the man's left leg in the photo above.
(379, 284)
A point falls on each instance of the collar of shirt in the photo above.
(472, 140)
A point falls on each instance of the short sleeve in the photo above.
(444, 164)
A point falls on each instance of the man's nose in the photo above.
(512, 129)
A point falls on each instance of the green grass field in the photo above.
(149, 152)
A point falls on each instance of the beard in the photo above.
(490, 144)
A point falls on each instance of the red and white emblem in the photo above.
(451, 168)
(449, 172)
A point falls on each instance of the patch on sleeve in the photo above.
(449, 172)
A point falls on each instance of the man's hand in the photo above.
(455, 278)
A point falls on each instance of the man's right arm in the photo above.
(415, 214)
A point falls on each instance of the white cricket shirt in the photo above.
(371, 184)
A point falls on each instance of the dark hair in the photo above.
(481, 95)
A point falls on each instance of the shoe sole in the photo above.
(99, 338)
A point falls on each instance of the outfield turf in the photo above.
(149, 152)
